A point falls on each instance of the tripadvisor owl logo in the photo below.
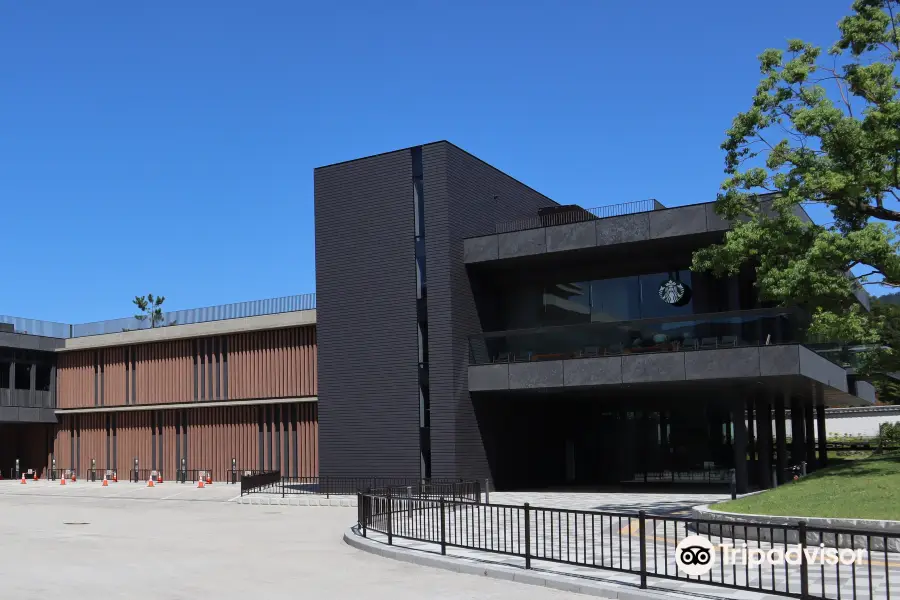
(695, 555)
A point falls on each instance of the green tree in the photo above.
(821, 129)
(151, 309)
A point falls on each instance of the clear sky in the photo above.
(169, 147)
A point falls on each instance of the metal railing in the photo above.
(457, 489)
(765, 326)
(575, 214)
(646, 545)
(222, 312)
(259, 482)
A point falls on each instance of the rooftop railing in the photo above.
(576, 214)
(222, 312)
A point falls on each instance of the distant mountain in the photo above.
(889, 298)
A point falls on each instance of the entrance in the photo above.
(27, 442)
(541, 441)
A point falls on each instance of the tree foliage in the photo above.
(151, 309)
(821, 129)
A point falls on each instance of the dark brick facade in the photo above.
(464, 197)
(365, 280)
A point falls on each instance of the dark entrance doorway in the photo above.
(581, 440)
(28, 442)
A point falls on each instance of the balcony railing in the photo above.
(672, 334)
(237, 310)
(26, 398)
(576, 214)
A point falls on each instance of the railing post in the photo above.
(282, 487)
(390, 509)
(527, 537)
(477, 492)
(804, 567)
(409, 513)
(642, 522)
(443, 530)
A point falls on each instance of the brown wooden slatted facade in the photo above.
(279, 436)
(262, 365)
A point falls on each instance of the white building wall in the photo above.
(855, 422)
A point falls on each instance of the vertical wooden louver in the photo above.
(265, 364)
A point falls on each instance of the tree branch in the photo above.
(879, 212)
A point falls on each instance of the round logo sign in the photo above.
(695, 555)
(674, 292)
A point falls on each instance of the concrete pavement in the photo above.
(173, 541)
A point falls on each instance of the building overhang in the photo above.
(792, 363)
(662, 224)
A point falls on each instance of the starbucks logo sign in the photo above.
(674, 292)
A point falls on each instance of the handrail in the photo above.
(221, 312)
(760, 312)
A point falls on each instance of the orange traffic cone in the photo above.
(73, 477)
(36, 476)
(209, 480)
(62, 481)
(199, 483)
(105, 483)
(23, 478)
(115, 478)
(159, 478)
(150, 482)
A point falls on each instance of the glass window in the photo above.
(567, 303)
(42, 378)
(616, 299)
(666, 294)
(23, 376)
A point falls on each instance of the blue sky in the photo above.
(170, 147)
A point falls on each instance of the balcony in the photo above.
(26, 398)
(762, 327)
(717, 349)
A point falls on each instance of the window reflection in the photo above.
(616, 299)
(567, 303)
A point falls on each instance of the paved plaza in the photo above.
(173, 541)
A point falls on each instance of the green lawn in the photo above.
(851, 487)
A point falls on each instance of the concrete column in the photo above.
(764, 442)
(823, 436)
(780, 440)
(810, 427)
(798, 443)
(740, 446)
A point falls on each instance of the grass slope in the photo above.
(865, 488)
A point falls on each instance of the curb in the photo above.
(561, 582)
(252, 500)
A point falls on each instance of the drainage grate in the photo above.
(75, 523)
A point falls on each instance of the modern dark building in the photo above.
(470, 326)
(464, 325)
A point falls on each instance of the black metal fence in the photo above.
(791, 560)
(261, 481)
(456, 489)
